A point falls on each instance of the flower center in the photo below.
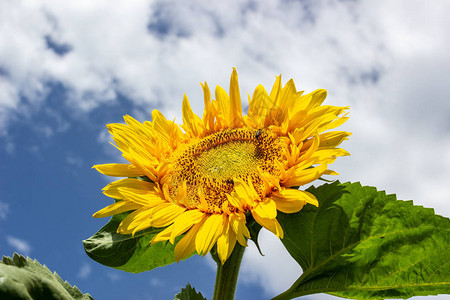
(227, 161)
(207, 167)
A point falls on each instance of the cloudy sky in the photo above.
(67, 68)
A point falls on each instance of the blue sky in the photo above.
(69, 68)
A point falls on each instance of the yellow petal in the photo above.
(129, 223)
(298, 177)
(328, 155)
(235, 101)
(208, 114)
(236, 201)
(307, 197)
(208, 234)
(270, 224)
(276, 89)
(131, 183)
(245, 191)
(141, 225)
(292, 200)
(203, 203)
(259, 106)
(115, 128)
(330, 172)
(296, 120)
(165, 213)
(237, 223)
(312, 150)
(226, 243)
(224, 104)
(143, 197)
(185, 221)
(116, 208)
(206, 96)
(168, 129)
(333, 139)
(327, 113)
(135, 185)
(286, 100)
(311, 100)
(163, 235)
(191, 121)
(312, 127)
(266, 209)
(289, 206)
(113, 193)
(334, 124)
(269, 180)
(119, 170)
(318, 96)
(186, 246)
(138, 127)
(143, 161)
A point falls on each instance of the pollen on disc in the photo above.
(212, 163)
(229, 160)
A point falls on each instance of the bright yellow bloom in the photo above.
(207, 178)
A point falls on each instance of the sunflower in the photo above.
(205, 179)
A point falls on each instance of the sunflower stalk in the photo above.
(227, 274)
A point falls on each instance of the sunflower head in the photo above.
(204, 179)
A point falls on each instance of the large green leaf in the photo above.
(24, 278)
(127, 253)
(364, 244)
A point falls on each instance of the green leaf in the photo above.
(127, 253)
(189, 293)
(24, 278)
(254, 229)
(364, 244)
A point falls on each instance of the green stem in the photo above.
(227, 274)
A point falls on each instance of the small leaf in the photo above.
(189, 293)
(24, 278)
(363, 244)
(254, 229)
(127, 253)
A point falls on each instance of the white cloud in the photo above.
(199, 44)
(84, 271)
(74, 161)
(46, 131)
(113, 275)
(34, 149)
(4, 210)
(10, 147)
(389, 60)
(156, 282)
(19, 245)
(276, 261)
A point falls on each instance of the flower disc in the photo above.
(206, 170)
